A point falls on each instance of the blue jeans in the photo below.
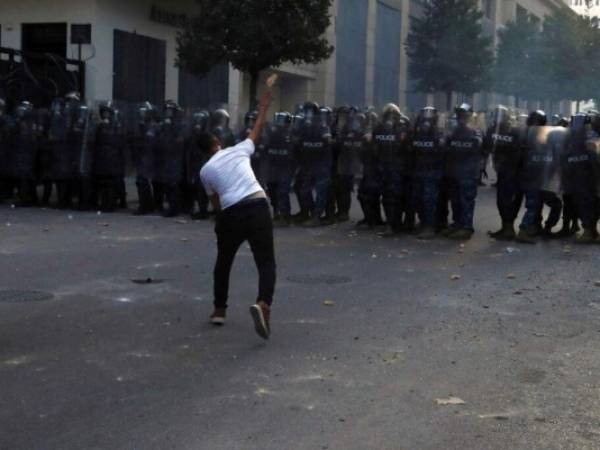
(535, 200)
(426, 195)
(317, 179)
(509, 196)
(463, 193)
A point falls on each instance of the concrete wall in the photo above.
(15, 13)
(105, 16)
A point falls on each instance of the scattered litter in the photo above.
(13, 206)
(329, 303)
(511, 250)
(261, 392)
(184, 239)
(99, 213)
(374, 256)
(539, 334)
(455, 277)
(567, 249)
(511, 276)
(181, 221)
(461, 250)
(70, 217)
(450, 401)
(494, 416)
(405, 251)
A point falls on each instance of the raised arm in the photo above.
(261, 120)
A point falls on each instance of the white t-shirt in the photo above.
(229, 174)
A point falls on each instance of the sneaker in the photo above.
(343, 217)
(587, 237)
(526, 237)
(218, 317)
(261, 315)
(447, 232)
(461, 234)
(426, 233)
(312, 223)
(389, 232)
(282, 222)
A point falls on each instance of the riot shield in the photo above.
(577, 163)
(545, 147)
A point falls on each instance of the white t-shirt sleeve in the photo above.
(246, 147)
(204, 177)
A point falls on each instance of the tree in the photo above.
(254, 35)
(516, 71)
(570, 56)
(447, 50)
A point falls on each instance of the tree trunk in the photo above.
(448, 101)
(253, 91)
(578, 106)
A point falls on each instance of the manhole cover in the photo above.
(147, 281)
(16, 296)
(318, 279)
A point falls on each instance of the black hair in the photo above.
(206, 141)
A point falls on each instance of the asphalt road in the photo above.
(368, 334)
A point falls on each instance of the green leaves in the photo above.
(447, 49)
(559, 61)
(254, 35)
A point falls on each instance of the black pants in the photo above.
(248, 221)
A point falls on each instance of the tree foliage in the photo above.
(254, 35)
(447, 49)
(516, 66)
(557, 61)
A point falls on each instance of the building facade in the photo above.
(587, 7)
(132, 51)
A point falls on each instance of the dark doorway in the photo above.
(44, 38)
(211, 91)
(139, 68)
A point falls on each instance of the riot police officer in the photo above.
(109, 157)
(463, 162)
(392, 144)
(196, 157)
(370, 187)
(23, 151)
(315, 160)
(170, 152)
(351, 143)
(578, 175)
(279, 150)
(539, 177)
(503, 142)
(429, 153)
(80, 138)
(4, 150)
(144, 143)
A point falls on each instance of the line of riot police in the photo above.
(410, 176)
(432, 168)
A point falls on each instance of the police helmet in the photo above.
(282, 118)
(537, 118)
(250, 118)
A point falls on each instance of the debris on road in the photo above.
(455, 277)
(511, 276)
(328, 303)
(450, 401)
